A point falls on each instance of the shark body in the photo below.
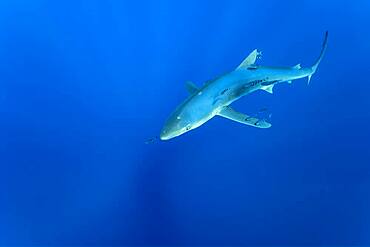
(215, 96)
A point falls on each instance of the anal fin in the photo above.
(268, 88)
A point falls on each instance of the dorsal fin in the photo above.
(191, 87)
(250, 60)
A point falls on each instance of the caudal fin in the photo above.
(323, 49)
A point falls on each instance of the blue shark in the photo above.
(215, 96)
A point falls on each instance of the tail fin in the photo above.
(323, 49)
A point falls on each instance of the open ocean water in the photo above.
(86, 84)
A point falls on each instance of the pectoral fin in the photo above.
(231, 114)
(191, 87)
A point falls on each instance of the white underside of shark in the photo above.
(215, 96)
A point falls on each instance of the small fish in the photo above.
(151, 140)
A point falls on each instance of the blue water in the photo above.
(83, 85)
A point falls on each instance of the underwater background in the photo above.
(85, 84)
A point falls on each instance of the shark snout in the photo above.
(170, 130)
(167, 132)
(164, 135)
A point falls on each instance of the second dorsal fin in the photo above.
(298, 66)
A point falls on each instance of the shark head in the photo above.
(190, 114)
(177, 124)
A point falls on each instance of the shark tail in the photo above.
(322, 53)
